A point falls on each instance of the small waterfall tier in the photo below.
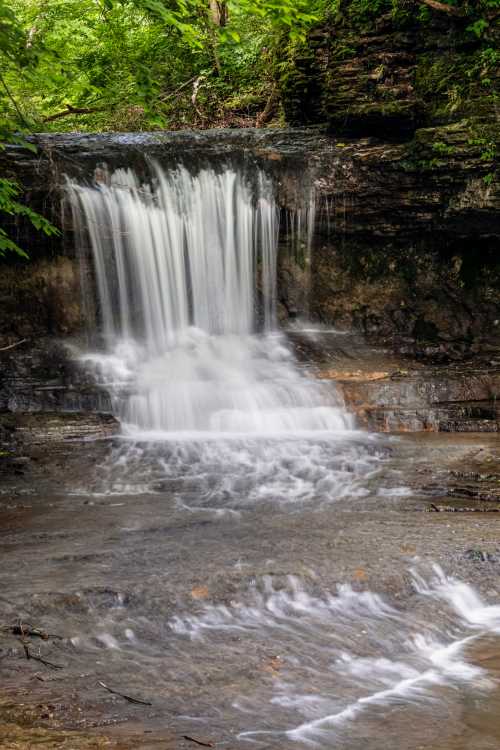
(185, 271)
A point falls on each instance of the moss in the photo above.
(468, 145)
(385, 68)
(456, 83)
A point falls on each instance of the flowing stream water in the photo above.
(222, 523)
(186, 279)
(203, 381)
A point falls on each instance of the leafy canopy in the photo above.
(145, 64)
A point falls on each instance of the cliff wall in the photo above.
(403, 249)
(409, 96)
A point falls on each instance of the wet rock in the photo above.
(461, 399)
(39, 298)
(403, 247)
(384, 72)
(478, 555)
(50, 427)
(44, 375)
(407, 211)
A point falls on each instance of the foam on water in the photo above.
(228, 473)
(186, 281)
(350, 655)
(186, 269)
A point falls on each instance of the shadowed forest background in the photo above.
(147, 64)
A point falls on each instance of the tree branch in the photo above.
(196, 87)
(16, 106)
(165, 97)
(267, 112)
(11, 346)
(436, 5)
(74, 111)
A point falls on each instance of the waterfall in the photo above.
(185, 272)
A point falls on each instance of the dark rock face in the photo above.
(407, 256)
(361, 83)
(431, 400)
(411, 218)
(393, 393)
(55, 427)
(40, 298)
(47, 396)
(44, 375)
(403, 249)
(385, 69)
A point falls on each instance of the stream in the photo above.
(242, 558)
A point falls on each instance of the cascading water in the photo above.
(179, 267)
(202, 592)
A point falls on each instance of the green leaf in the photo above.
(478, 27)
(8, 245)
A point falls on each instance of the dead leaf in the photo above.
(408, 549)
(200, 592)
(273, 665)
(360, 574)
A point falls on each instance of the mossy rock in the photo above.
(386, 69)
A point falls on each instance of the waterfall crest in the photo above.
(186, 282)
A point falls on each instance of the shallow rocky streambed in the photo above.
(272, 593)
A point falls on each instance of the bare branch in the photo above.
(74, 111)
(436, 5)
(14, 102)
(196, 87)
(127, 697)
(12, 346)
(171, 94)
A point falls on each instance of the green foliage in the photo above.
(439, 147)
(294, 16)
(9, 204)
(146, 64)
(365, 11)
(478, 27)
(18, 59)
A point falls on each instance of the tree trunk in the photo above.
(218, 12)
(267, 112)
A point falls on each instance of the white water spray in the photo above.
(186, 281)
(348, 657)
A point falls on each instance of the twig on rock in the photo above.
(127, 697)
(30, 655)
(11, 346)
(198, 742)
